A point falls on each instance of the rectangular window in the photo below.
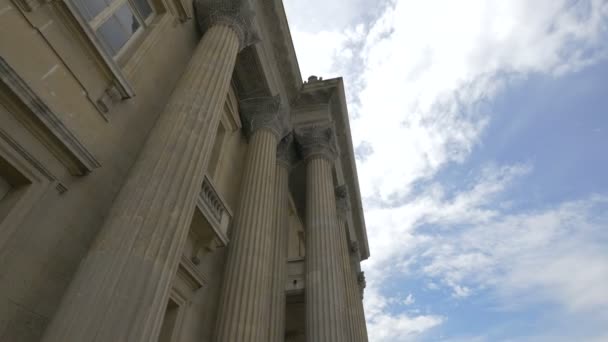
(116, 22)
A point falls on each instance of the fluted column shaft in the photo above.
(354, 315)
(324, 275)
(357, 298)
(349, 275)
(120, 290)
(279, 253)
(245, 301)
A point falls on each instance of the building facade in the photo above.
(165, 175)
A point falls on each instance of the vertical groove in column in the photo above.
(120, 289)
(350, 312)
(244, 304)
(324, 275)
(279, 250)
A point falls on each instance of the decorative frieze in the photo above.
(264, 113)
(232, 13)
(317, 141)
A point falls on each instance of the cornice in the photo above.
(276, 26)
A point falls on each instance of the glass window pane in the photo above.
(89, 9)
(127, 19)
(143, 7)
(113, 35)
(117, 30)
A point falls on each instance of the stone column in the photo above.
(355, 318)
(120, 290)
(279, 245)
(245, 302)
(324, 275)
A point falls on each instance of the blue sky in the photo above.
(481, 130)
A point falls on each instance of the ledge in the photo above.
(37, 117)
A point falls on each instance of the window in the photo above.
(116, 22)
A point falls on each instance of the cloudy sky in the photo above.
(481, 132)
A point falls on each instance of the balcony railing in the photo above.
(215, 210)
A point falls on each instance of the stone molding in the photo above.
(315, 141)
(264, 113)
(45, 124)
(232, 13)
(342, 203)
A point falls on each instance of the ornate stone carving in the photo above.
(264, 113)
(232, 13)
(342, 203)
(361, 282)
(317, 141)
(285, 151)
(354, 247)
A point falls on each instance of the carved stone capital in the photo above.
(232, 13)
(317, 141)
(354, 247)
(342, 203)
(264, 113)
(285, 151)
(361, 282)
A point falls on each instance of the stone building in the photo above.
(165, 175)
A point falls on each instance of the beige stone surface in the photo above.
(127, 246)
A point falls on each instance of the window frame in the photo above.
(123, 53)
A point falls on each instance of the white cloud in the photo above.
(429, 64)
(556, 255)
(409, 300)
(417, 78)
(387, 327)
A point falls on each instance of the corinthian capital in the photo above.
(285, 152)
(232, 13)
(361, 282)
(342, 204)
(264, 113)
(317, 142)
